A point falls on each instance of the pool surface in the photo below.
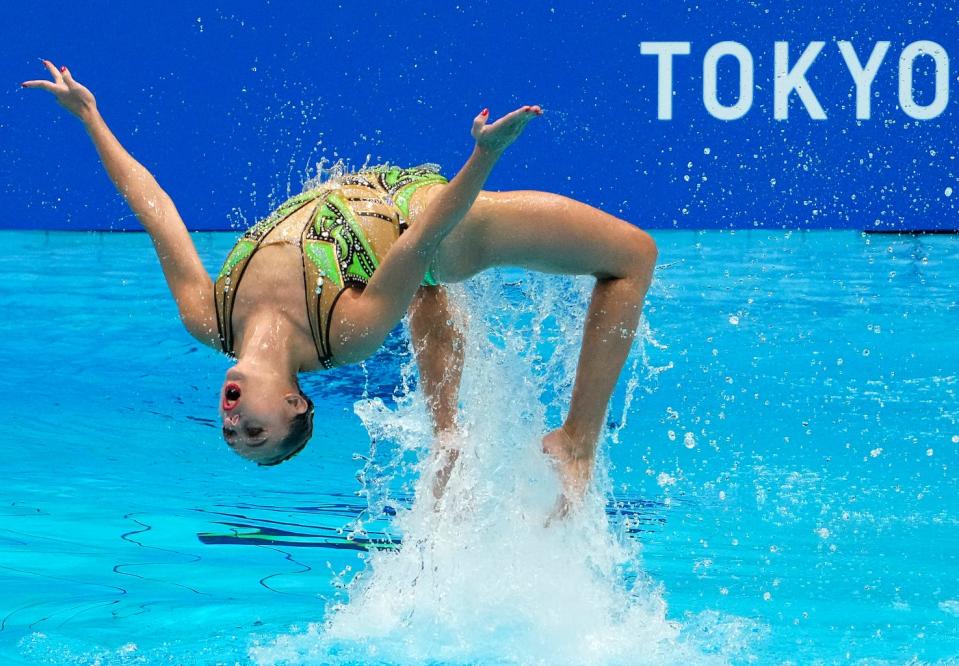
(778, 483)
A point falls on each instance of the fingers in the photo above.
(49, 86)
(523, 114)
(479, 122)
(67, 76)
(480, 119)
(526, 112)
(501, 133)
(53, 71)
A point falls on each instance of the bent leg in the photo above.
(438, 345)
(555, 234)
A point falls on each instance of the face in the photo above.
(256, 412)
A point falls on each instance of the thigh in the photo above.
(538, 231)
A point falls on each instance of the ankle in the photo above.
(580, 442)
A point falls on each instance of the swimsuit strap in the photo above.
(228, 281)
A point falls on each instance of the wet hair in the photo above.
(301, 429)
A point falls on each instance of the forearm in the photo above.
(137, 185)
(151, 204)
(385, 299)
(395, 282)
(185, 274)
(454, 200)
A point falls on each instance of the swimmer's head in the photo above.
(266, 419)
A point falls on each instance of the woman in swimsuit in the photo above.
(330, 273)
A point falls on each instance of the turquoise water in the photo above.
(778, 482)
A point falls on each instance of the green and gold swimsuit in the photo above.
(354, 222)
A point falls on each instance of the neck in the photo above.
(265, 344)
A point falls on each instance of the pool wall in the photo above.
(231, 105)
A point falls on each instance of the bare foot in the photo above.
(574, 461)
(447, 459)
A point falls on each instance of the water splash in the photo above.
(329, 172)
(483, 574)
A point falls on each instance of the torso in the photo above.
(327, 242)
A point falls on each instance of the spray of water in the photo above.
(483, 574)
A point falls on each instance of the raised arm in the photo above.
(187, 278)
(364, 322)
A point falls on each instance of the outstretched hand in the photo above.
(499, 135)
(71, 95)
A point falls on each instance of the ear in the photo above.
(297, 402)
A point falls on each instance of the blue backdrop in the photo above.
(231, 105)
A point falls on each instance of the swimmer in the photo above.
(323, 280)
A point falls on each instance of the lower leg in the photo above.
(439, 349)
(610, 326)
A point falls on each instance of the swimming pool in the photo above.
(782, 473)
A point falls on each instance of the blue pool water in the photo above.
(778, 483)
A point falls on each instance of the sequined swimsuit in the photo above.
(353, 224)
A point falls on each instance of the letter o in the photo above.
(941, 98)
(710, 66)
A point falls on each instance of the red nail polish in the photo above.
(63, 68)
(484, 112)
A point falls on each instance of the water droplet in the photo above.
(665, 479)
(734, 320)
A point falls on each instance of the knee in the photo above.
(642, 254)
(646, 246)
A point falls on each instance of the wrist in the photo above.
(486, 153)
(89, 116)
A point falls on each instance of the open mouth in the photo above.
(230, 395)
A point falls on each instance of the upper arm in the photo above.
(359, 326)
(198, 314)
(189, 283)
